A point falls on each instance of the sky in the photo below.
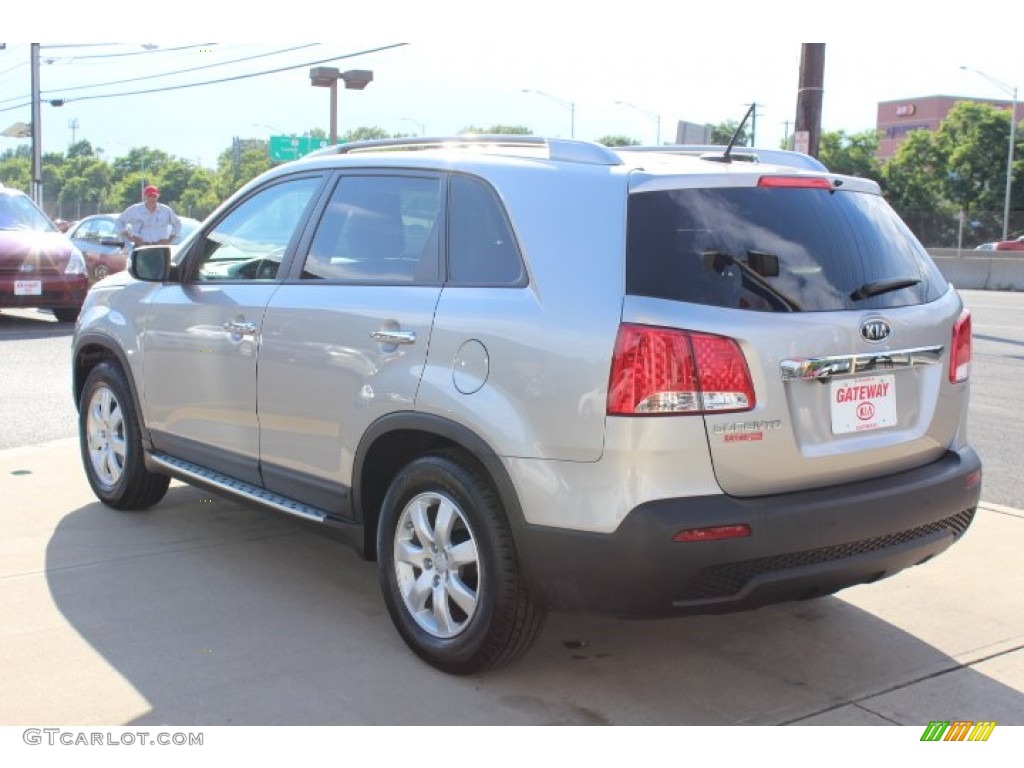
(440, 69)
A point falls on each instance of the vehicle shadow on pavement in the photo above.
(215, 614)
(25, 324)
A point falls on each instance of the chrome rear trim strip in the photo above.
(824, 368)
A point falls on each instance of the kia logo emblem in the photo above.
(875, 330)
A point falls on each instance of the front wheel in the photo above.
(448, 568)
(111, 443)
(66, 314)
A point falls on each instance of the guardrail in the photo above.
(993, 271)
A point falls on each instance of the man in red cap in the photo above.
(149, 222)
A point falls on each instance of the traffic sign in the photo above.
(284, 148)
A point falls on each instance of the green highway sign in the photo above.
(284, 148)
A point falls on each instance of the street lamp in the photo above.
(571, 106)
(1013, 137)
(328, 77)
(652, 115)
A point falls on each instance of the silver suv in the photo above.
(530, 375)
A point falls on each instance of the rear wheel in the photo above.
(111, 443)
(66, 314)
(448, 568)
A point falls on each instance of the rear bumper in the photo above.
(802, 545)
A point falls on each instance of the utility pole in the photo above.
(73, 125)
(37, 151)
(810, 90)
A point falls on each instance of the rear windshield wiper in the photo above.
(754, 271)
(879, 287)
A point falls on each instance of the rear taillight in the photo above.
(960, 349)
(669, 371)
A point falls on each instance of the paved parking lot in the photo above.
(202, 612)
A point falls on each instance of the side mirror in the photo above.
(151, 263)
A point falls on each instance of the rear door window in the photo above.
(775, 250)
(379, 229)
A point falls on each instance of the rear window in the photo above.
(775, 250)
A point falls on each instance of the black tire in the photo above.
(454, 591)
(111, 443)
(66, 314)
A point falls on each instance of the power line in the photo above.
(168, 74)
(147, 51)
(62, 102)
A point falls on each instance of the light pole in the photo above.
(571, 106)
(652, 115)
(328, 77)
(1012, 90)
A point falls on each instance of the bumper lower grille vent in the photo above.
(725, 580)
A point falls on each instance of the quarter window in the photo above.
(481, 248)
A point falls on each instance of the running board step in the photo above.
(193, 473)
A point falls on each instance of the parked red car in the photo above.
(39, 266)
(1010, 245)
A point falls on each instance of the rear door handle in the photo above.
(394, 337)
(241, 329)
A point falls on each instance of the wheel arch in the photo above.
(91, 350)
(394, 440)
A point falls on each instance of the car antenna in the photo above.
(736, 135)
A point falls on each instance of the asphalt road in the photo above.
(36, 405)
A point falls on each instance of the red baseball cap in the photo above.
(151, 190)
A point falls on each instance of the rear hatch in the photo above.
(855, 346)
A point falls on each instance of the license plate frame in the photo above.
(28, 287)
(863, 404)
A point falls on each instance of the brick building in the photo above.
(897, 118)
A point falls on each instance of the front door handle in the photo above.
(240, 329)
(394, 337)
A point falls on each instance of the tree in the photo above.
(912, 183)
(363, 133)
(243, 161)
(80, 149)
(16, 169)
(723, 133)
(499, 130)
(618, 141)
(972, 141)
(956, 173)
(850, 154)
(200, 196)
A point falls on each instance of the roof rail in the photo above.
(749, 154)
(569, 150)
